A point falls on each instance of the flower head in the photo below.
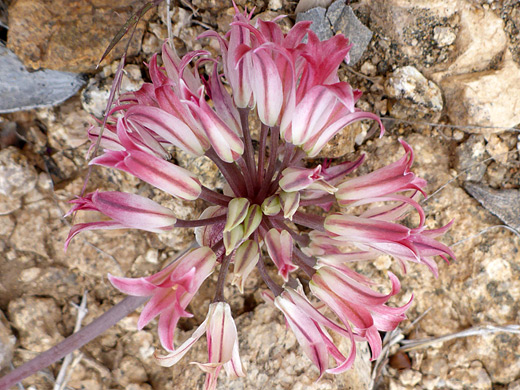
(260, 219)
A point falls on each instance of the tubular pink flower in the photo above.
(168, 177)
(126, 211)
(309, 325)
(171, 290)
(280, 247)
(222, 339)
(393, 178)
(166, 126)
(353, 302)
(261, 217)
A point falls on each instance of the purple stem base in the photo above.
(73, 342)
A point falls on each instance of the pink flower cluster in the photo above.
(259, 221)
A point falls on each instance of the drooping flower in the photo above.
(223, 351)
(294, 90)
(171, 290)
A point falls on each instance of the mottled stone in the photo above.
(305, 5)
(95, 96)
(7, 342)
(413, 95)
(444, 36)
(65, 35)
(497, 148)
(35, 320)
(408, 25)
(481, 39)
(203, 168)
(343, 142)
(469, 154)
(32, 228)
(66, 125)
(410, 377)
(479, 98)
(130, 370)
(17, 175)
(505, 204)
(8, 204)
(6, 225)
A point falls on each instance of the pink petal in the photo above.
(356, 229)
(172, 358)
(133, 286)
(306, 333)
(267, 87)
(102, 225)
(223, 139)
(162, 300)
(166, 126)
(221, 333)
(133, 210)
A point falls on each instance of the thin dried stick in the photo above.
(461, 127)
(481, 330)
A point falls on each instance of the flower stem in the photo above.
(200, 222)
(73, 342)
(306, 263)
(249, 180)
(214, 197)
(219, 293)
(261, 153)
(230, 172)
(275, 288)
(311, 221)
(249, 152)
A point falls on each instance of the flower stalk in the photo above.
(73, 342)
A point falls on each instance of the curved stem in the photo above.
(273, 158)
(73, 342)
(261, 153)
(200, 222)
(249, 180)
(306, 263)
(230, 171)
(214, 197)
(317, 201)
(309, 220)
(219, 291)
(249, 152)
(275, 288)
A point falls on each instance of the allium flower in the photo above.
(294, 90)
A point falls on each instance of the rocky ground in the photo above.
(444, 75)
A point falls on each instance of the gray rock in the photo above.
(505, 204)
(343, 20)
(23, 90)
(3, 14)
(339, 19)
(320, 25)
